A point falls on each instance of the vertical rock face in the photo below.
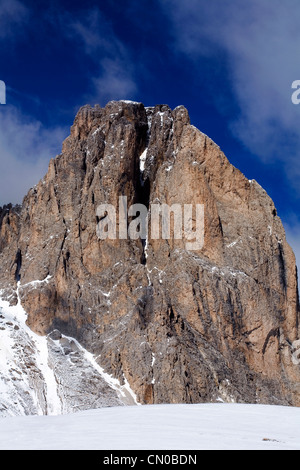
(216, 323)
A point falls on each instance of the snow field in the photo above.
(158, 427)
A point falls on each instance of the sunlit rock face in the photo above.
(215, 323)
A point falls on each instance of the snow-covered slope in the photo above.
(49, 375)
(172, 427)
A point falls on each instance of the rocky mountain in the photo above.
(216, 323)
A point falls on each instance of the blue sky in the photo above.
(230, 62)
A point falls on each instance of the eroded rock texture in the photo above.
(182, 326)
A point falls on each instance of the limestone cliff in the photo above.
(218, 323)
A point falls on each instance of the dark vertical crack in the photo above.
(282, 269)
(18, 263)
(143, 197)
(142, 186)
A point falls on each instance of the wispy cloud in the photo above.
(92, 29)
(26, 145)
(114, 76)
(25, 150)
(13, 14)
(114, 81)
(259, 40)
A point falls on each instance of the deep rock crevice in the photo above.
(18, 263)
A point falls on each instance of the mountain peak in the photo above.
(177, 321)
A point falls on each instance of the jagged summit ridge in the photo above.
(180, 326)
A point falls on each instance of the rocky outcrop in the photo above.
(217, 323)
(50, 374)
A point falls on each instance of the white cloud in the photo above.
(259, 41)
(25, 151)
